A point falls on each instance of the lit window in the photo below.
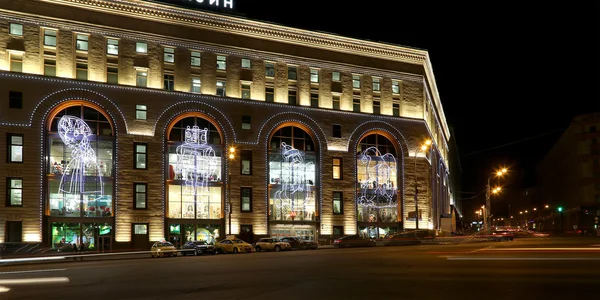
(221, 90)
(245, 91)
(269, 69)
(112, 75)
(140, 229)
(337, 168)
(141, 79)
(169, 55)
(395, 87)
(141, 157)
(141, 197)
(112, 47)
(15, 192)
(314, 75)
(196, 59)
(246, 193)
(376, 85)
(336, 76)
(50, 67)
(141, 112)
(356, 81)
(82, 42)
(221, 62)
(15, 148)
(338, 202)
(246, 162)
(195, 85)
(50, 37)
(141, 47)
(292, 73)
(16, 62)
(246, 63)
(16, 29)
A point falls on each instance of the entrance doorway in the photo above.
(140, 239)
(14, 232)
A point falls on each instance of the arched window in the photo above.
(377, 185)
(80, 173)
(194, 179)
(292, 179)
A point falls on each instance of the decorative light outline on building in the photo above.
(293, 180)
(379, 174)
(196, 161)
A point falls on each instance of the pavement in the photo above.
(552, 268)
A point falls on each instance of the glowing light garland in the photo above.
(294, 182)
(377, 189)
(196, 161)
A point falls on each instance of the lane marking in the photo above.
(4, 289)
(34, 280)
(523, 258)
(544, 249)
(9, 260)
(32, 271)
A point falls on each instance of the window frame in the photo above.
(223, 88)
(46, 30)
(295, 72)
(109, 72)
(169, 52)
(314, 72)
(249, 90)
(356, 78)
(168, 82)
(339, 76)
(9, 189)
(224, 61)
(10, 29)
(247, 119)
(135, 193)
(376, 81)
(108, 42)
(243, 157)
(141, 108)
(137, 44)
(192, 85)
(137, 77)
(268, 67)
(338, 226)
(86, 40)
(199, 57)
(135, 153)
(341, 202)
(249, 63)
(9, 146)
(397, 84)
(339, 166)
(242, 189)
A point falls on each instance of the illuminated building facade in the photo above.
(119, 117)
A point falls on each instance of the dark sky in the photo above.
(507, 73)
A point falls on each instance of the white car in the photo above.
(271, 244)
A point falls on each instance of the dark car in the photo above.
(197, 248)
(401, 239)
(502, 235)
(353, 241)
(298, 243)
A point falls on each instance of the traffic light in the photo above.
(560, 209)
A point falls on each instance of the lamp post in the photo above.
(488, 193)
(422, 148)
(229, 208)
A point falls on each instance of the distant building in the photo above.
(569, 176)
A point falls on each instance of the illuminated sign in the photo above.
(202, 4)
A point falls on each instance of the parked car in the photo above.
(353, 241)
(232, 245)
(163, 249)
(298, 243)
(197, 248)
(272, 244)
(401, 239)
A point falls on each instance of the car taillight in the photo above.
(337, 241)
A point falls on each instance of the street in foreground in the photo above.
(566, 268)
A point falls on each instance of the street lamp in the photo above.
(229, 208)
(422, 148)
(488, 193)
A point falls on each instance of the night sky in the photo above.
(511, 77)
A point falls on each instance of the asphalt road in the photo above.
(565, 268)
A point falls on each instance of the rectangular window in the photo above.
(376, 85)
(16, 62)
(338, 203)
(15, 147)
(112, 75)
(141, 155)
(140, 229)
(221, 90)
(376, 107)
(314, 75)
(356, 105)
(314, 99)
(112, 47)
(292, 98)
(246, 162)
(169, 55)
(269, 69)
(292, 73)
(82, 71)
(169, 82)
(82, 42)
(141, 112)
(335, 76)
(246, 63)
(356, 81)
(269, 95)
(16, 29)
(50, 67)
(396, 109)
(196, 85)
(336, 102)
(196, 59)
(141, 47)
(246, 91)
(15, 99)
(15, 192)
(395, 87)
(338, 230)
(246, 122)
(337, 168)
(246, 194)
(337, 130)
(221, 62)
(141, 79)
(50, 37)
(141, 196)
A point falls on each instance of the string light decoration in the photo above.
(377, 188)
(75, 133)
(294, 183)
(196, 161)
